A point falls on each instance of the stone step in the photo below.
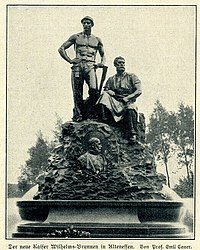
(98, 230)
(154, 228)
(102, 236)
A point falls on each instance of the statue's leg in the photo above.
(92, 111)
(77, 87)
(131, 118)
(91, 80)
(102, 109)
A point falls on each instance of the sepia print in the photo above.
(100, 126)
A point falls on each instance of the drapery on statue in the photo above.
(93, 160)
(84, 67)
(119, 96)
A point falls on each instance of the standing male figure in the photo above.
(119, 96)
(86, 46)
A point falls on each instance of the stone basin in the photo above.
(97, 211)
(101, 218)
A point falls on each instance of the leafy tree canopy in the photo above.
(36, 164)
(185, 187)
(159, 135)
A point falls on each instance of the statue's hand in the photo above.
(110, 92)
(126, 99)
(75, 61)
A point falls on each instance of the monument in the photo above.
(101, 179)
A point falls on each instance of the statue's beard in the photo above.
(121, 69)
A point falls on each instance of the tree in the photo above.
(36, 164)
(159, 134)
(185, 187)
(183, 136)
(57, 132)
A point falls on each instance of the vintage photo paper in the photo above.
(50, 111)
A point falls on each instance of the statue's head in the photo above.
(87, 22)
(119, 63)
(94, 145)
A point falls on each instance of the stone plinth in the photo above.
(102, 219)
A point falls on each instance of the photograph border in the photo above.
(195, 113)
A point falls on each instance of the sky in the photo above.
(157, 43)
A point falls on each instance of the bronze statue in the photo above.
(93, 160)
(119, 96)
(84, 67)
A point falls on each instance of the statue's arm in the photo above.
(64, 47)
(101, 53)
(137, 92)
(108, 88)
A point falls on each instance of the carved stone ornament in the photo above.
(94, 162)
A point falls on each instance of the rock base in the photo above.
(119, 171)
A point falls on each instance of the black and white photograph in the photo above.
(100, 121)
